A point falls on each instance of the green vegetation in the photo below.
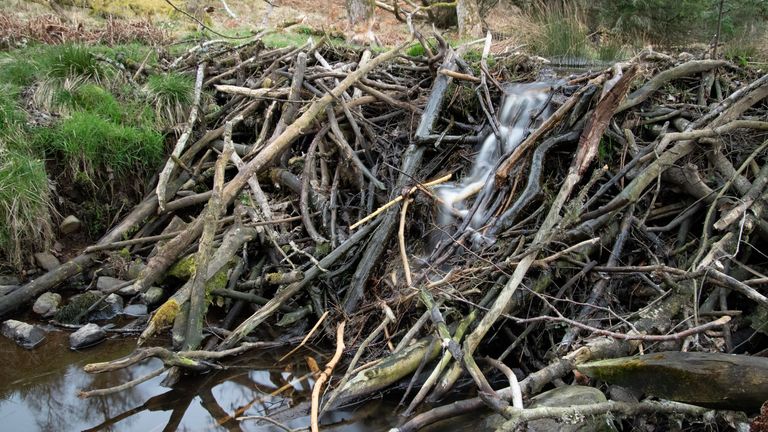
(562, 33)
(171, 95)
(25, 204)
(94, 126)
(90, 144)
(70, 61)
(605, 29)
(677, 22)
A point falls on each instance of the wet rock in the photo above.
(25, 335)
(47, 260)
(561, 397)
(569, 396)
(108, 284)
(134, 268)
(153, 296)
(47, 304)
(111, 307)
(70, 224)
(129, 290)
(87, 335)
(7, 289)
(135, 310)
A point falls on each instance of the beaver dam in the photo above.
(342, 235)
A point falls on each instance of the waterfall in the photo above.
(524, 107)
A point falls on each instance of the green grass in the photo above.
(16, 70)
(91, 144)
(746, 47)
(91, 98)
(562, 36)
(285, 39)
(171, 95)
(611, 50)
(25, 203)
(69, 61)
(10, 114)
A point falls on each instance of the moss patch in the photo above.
(76, 308)
(166, 313)
(183, 268)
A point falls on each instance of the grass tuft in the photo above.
(92, 145)
(74, 61)
(92, 98)
(11, 117)
(172, 96)
(17, 71)
(562, 33)
(25, 203)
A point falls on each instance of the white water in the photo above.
(523, 108)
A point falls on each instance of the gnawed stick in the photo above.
(325, 374)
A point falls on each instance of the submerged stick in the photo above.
(325, 374)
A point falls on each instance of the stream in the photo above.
(39, 388)
(38, 392)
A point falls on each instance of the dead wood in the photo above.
(597, 225)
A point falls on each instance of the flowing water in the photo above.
(38, 389)
(524, 107)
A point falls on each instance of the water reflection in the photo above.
(38, 392)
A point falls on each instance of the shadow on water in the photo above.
(38, 392)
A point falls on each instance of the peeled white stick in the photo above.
(165, 174)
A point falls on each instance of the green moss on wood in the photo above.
(166, 313)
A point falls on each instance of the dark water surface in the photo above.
(38, 392)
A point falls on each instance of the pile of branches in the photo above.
(52, 29)
(307, 201)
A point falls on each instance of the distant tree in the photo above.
(468, 14)
(361, 20)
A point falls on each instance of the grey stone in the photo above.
(70, 224)
(87, 335)
(129, 290)
(108, 284)
(153, 296)
(7, 289)
(134, 268)
(135, 310)
(47, 260)
(47, 304)
(25, 335)
(561, 397)
(111, 307)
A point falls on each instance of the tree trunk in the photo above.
(468, 14)
(361, 19)
(441, 16)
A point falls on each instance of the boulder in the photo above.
(25, 335)
(70, 224)
(135, 268)
(560, 397)
(88, 335)
(108, 284)
(111, 307)
(135, 310)
(47, 304)
(47, 260)
(153, 295)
